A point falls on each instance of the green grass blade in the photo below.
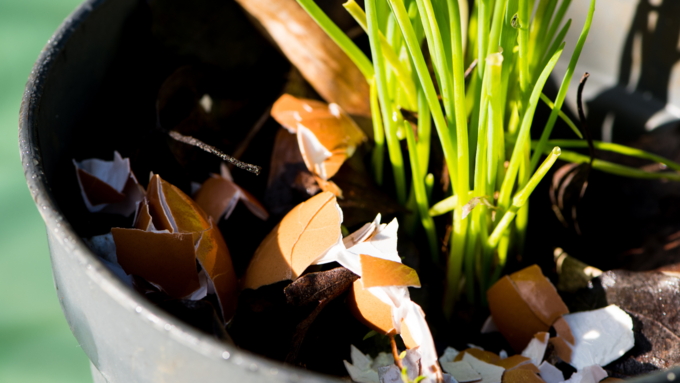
(523, 136)
(522, 197)
(563, 116)
(393, 146)
(564, 87)
(340, 38)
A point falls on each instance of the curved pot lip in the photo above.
(63, 232)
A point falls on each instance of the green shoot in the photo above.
(483, 126)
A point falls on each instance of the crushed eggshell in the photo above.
(521, 376)
(171, 234)
(484, 356)
(303, 236)
(550, 373)
(326, 135)
(449, 355)
(602, 336)
(490, 373)
(165, 259)
(535, 350)
(561, 348)
(515, 361)
(108, 186)
(563, 330)
(383, 272)
(360, 369)
(219, 194)
(461, 371)
(523, 304)
(389, 374)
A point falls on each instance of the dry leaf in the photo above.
(330, 71)
(314, 287)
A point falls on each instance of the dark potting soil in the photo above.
(172, 53)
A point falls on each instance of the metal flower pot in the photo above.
(126, 338)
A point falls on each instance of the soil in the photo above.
(171, 61)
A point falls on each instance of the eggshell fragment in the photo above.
(218, 197)
(535, 350)
(512, 315)
(326, 135)
(168, 209)
(513, 362)
(382, 272)
(213, 255)
(550, 373)
(490, 373)
(108, 186)
(563, 330)
(461, 371)
(360, 369)
(484, 356)
(602, 336)
(521, 376)
(143, 219)
(165, 259)
(523, 304)
(562, 348)
(449, 355)
(304, 235)
(541, 296)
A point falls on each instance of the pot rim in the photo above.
(63, 232)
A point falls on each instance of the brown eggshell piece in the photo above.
(143, 219)
(484, 356)
(215, 196)
(406, 336)
(541, 296)
(528, 366)
(153, 193)
(512, 361)
(521, 376)
(328, 186)
(289, 110)
(303, 235)
(383, 272)
(188, 216)
(512, 315)
(97, 191)
(165, 259)
(214, 257)
(332, 127)
(562, 348)
(563, 330)
(370, 310)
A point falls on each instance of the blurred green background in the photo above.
(36, 344)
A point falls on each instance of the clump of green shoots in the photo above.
(483, 124)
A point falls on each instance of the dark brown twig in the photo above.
(213, 150)
(582, 116)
